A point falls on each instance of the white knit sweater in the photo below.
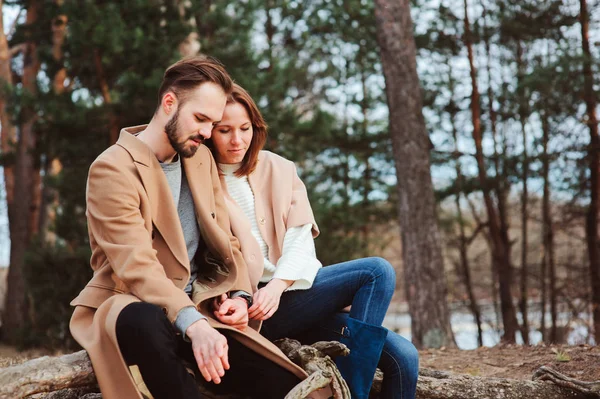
(298, 260)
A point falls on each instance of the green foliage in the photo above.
(123, 47)
(297, 59)
(53, 276)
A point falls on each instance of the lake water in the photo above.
(465, 329)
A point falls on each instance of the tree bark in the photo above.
(465, 269)
(190, 46)
(8, 134)
(548, 264)
(15, 310)
(523, 114)
(500, 247)
(52, 165)
(113, 124)
(364, 107)
(591, 226)
(421, 251)
(500, 182)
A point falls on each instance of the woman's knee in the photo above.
(383, 270)
(403, 353)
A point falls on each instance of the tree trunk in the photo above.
(367, 173)
(8, 134)
(15, 312)
(500, 182)
(500, 246)
(190, 46)
(548, 239)
(523, 113)
(591, 226)
(52, 165)
(113, 124)
(465, 269)
(421, 251)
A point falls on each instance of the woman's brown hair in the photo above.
(259, 129)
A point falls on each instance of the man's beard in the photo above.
(172, 130)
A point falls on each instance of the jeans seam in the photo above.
(371, 286)
(373, 277)
(399, 371)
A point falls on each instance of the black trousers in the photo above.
(147, 339)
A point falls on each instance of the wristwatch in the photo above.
(242, 294)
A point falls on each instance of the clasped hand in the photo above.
(233, 312)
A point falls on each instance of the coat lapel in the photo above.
(200, 188)
(163, 209)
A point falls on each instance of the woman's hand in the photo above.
(233, 312)
(266, 299)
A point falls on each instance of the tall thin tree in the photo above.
(8, 134)
(421, 251)
(15, 311)
(591, 225)
(500, 246)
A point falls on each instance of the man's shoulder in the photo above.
(115, 155)
(115, 159)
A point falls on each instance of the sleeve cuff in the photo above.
(185, 318)
(243, 294)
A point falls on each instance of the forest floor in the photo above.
(581, 362)
(508, 361)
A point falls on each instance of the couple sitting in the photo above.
(193, 258)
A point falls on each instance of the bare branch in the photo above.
(16, 50)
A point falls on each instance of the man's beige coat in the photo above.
(139, 254)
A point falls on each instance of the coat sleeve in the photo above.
(300, 211)
(222, 216)
(116, 222)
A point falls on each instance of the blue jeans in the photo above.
(314, 315)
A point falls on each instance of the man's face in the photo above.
(193, 120)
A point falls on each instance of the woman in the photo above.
(294, 296)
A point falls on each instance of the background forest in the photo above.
(487, 161)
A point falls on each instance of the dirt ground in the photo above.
(9, 356)
(520, 362)
(508, 361)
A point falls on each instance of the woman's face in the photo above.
(232, 136)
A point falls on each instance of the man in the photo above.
(158, 225)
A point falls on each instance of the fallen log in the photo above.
(47, 374)
(435, 384)
(71, 377)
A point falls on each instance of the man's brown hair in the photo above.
(190, 72)
(259, 129)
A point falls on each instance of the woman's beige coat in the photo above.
(139, 254)
(280, 203)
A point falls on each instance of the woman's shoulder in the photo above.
(270, 159)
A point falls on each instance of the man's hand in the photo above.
(233, 312)
(210, 350)
(266, 299)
